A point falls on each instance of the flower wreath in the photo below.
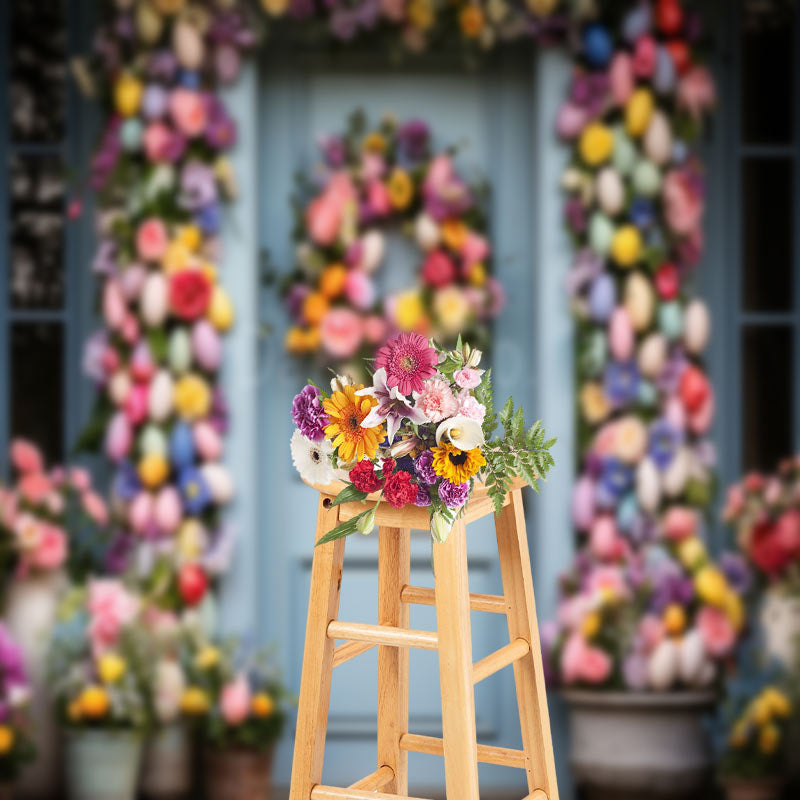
(371, 179)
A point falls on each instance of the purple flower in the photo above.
(209, 218)
(117, 558)
(12, 663)
(737, 571)
(93, 351)
(334, 151)
(575, 214)
(423, 497)
(413, 140)
(622, 383)
(105, 258)
(616, 477)
(126, 484)
(392, 407)
(671, 588)
(665, 439)
(220, 128)
(294, 300)
(198, 186)
(308, 413)
(453, 495)
(423, 466)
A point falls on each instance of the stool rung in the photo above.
(345, 652)
(490, 603)
(376, 781)
(383, 634)
(501, 658)
(429, 745)
(539, 794)
(332, 793)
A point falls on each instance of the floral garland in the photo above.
(372, 179)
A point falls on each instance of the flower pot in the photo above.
(768, 788)
(166, 771)
(6, 791)
(30, 612)
(102, 764)
(636, 744)
(235, 774)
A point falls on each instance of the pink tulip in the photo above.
(235, 701)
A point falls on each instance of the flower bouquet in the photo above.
(421, 434)
(16, 746)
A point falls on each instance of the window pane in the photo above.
(37, 371)
(767, 234)
(37, 232)
(38, 70)
(767, 396)
(768, 71)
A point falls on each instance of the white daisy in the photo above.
(312, 459)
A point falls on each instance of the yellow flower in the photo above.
(421, 14)
(195, 700)
(176, 257)
(734, 609)
(596, 144)
(375, 143)
(192, 540)
(346, 412)
(692, 552)
(769, 737)
(111, 667)
(263, 705)
(408, 310)
(400, 188)
(94, 702)
(477, 274)
(626, 246)
(207, 658)
(128, 92)
(153, 470)
(591, 625)
(192, 397)
(452, 309)
(594, 403)
(457, 466)
(674, 619)
(332, 280)
(191, 237)
(639, 111)
(220, 310)
(315, 306)
(711, 586)
(778, 702)
(471, 20)
(453, 233)
(7, 737)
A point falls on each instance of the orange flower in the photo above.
(401, 188)
(471, 20)
(332, 280)
(314, 308)
(347, 411)
(454, 233)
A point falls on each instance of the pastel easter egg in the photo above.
(140, 512)
(119, 387)
(646, 394)
(627, 513)
(596, 144)
(153, 441)
(115, 309)
(663, 665)
(181, 446)
(179, 350)
(676, 475)
(583, 507)
(132, 280)
(597, 45)
(624, 156)
(604, 537)
(646, 178)
(626, 246)
(648, 485)
(670, 320)
(669, 17)
(135, 406)
(141, 364)
(167, 510)
(639, 301)
(128, 91)
(219, 481)
(602, 297)
(692, 657)
(571, 119)
(187, 42)
(192, 540)
(621, 79)
(696, 326)
(665, 76)
(658, 139)
(621, 337)
(207, 441)
(130, 134)
(154, 102)
(638, 112)
(373, 246)
(149, 23)
(674, 412)
(610, 191)
(426, 232)
(652, 355)
(119, 437)
(220, 310)
(637, 22)
(595, 353)
(644, 57)
(159, 401)
(701, 420)
(154, 300)
(601, 233)
(206, 345)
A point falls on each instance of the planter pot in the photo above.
(30, 612)
(6, 791)
(102, 764)
(637, 744)
(166, 771)
(753, 788)
(233, 774)
(780, 621)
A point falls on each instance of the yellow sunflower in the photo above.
(346, 412)
(457, 466)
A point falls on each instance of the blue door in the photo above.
(489, 115)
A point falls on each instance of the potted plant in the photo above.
(101, 675)
(16, 744)
(237, 704)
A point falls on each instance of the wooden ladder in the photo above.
(453, 641)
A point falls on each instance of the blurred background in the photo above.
(138, 610)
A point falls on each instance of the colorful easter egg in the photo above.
(119, 437)
(601, 233)
(674, 412)
(159, 401)
(181, 446)
(694, 388)
(128, 92)
(114, 307)
(658, 139)
(153, 470)
(141, 364)
(652, 355)
(140, 512)
(373, 247)
(219, 481)
(179, 350)
(153, 440)
(665, 75)
(136, 404)
(192, 540)
(646, 178)
(130, 134)
(648, 485)
(604, 537)
(220, 310)
(668, 281)
(621, 337)
(663, 665)
(206, 345)
(154, 102)
(625, 155)
(119, 387)
(583, 509)
(670, 320)
(639, 112)
(669, 17)
(637, 22)
(154, 301)
(597, 45)
(149, 23)
(602, 297)
(700, 421)
(207, 441)
(426, 232)
(646, 394)
(596, 144)
(620, 77)
(571, 119)
(167, 510)
(697, 326)
(187, 42)
(626, 246)
(610, 191)
(639, 301)
(644, 57)
(676, 475)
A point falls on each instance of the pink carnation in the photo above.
(437, 401)
(341, 332)
(468, 406)
(718, 633)
(468, 377)
(26, 456)
(235, 701)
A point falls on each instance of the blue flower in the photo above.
(209, 218)
(194, 490)
(642, 212)
(126, 483)
(616, 478)
(665, 439)
(622, 383)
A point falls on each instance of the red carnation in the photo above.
(364, 478)
(189, 293)
(387, 467)
(438, 269)
(400, 490)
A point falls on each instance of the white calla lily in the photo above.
(462, 432)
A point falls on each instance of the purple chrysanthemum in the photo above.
(423, 497)
(308, 414)
(453, 495)
(423, 466)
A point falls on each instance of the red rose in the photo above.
(189, 293)
(364, 478)
(400, 490)
(438, 269)
(767, 550)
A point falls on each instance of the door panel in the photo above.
(489, 114)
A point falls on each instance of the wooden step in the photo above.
(332, 793)
(539, 794)
(378, 780)
(490, 603)
(429, 745)
(383, 634)
(500, 659)
(345, 652)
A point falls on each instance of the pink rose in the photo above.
(359, 289)
(468, 377)
(696, 92)
(51, 552)
(475, 248)
(151, 239)
(35, 486)
(8, 507)
(235, 701)
(683, 201)
(189, 111)
(26, 456)
(341, 332)
(679, 522)
(718, 633)
(580, 662)
(111, 607)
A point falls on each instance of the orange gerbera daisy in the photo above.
(346, 412)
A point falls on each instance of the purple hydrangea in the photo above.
(453, 495)
(308, 413)
(423, 497)
(423, 466)
(413, 139)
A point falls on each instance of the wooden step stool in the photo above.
(453, 641)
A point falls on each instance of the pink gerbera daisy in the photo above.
(409, 360)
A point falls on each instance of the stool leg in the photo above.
(394, 565)
(315, 684)
(515, 566)
(455, 666)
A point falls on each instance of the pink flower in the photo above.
(683, 201)
(604, 539)
(475, 248)
(35, 486)
(25, 456)
(95, 507)
(341, 332)
(54, 502)
(375, 329)
(718, 633)
(373, 167)
(696, 92)
(8, 507)
(28, 532)
(580, 662)
(409, 360)
(235, 701)
(437, 401)
(469, 407)
(157, 138)
(151, 239)
(80, 478)
(378, 198)
(325, 213)
(788, 531)
(360, 289)
(111, 607)
(651, 630)
(51, 551)
(189, 112)
(468, 377)
(734, 503)
(679, 522)
(607, 580)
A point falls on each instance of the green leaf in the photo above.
(345, 529)
(348, 495)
